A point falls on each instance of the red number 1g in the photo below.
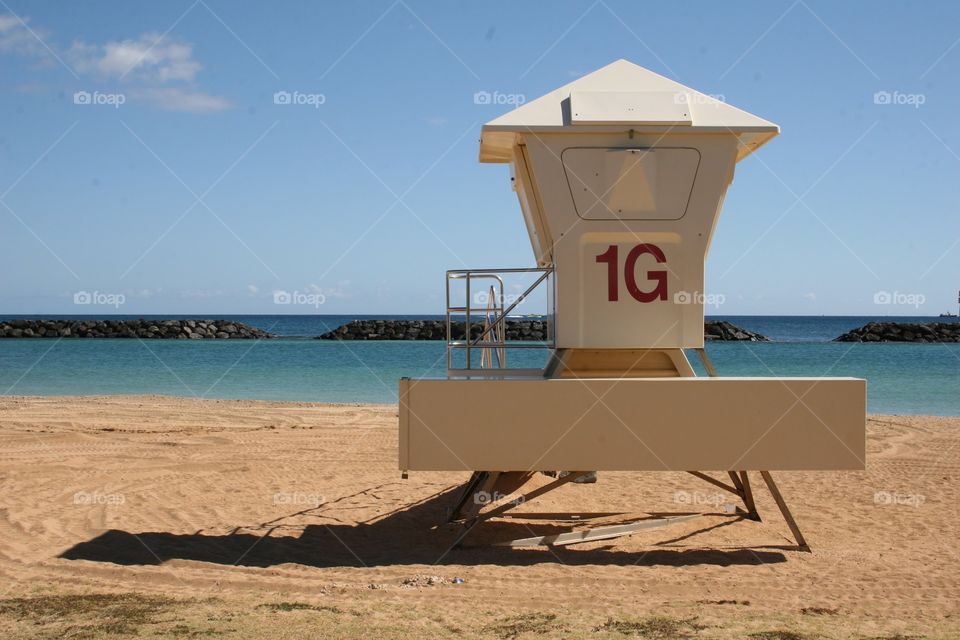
(611, 258)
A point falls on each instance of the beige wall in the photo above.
(586, 318)
(633, 424)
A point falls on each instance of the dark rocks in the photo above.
(903, 332)
(397, 330)
(144, 329)
(723, 330)
(526, 330)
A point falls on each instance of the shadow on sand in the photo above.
(403, 537)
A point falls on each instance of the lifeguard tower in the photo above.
(620, 176)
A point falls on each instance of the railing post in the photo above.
(498, 343)
(449, 332)
(466, 325)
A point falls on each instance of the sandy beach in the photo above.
(171, 517)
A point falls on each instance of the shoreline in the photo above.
(164, 396)
(145, 397)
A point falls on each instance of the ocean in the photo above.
(902, 378)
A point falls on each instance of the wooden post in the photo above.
(748, 497)
(794, 529)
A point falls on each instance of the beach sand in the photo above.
(171, 517)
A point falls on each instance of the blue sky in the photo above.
(184, 188)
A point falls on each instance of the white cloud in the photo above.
(181, 99)
(253, 289)
(164, 68)
(161, 69)
(810, 296)
(150, 57)
(15, 37)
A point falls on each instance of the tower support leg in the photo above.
(782, 504)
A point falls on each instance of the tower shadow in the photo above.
(408, 536)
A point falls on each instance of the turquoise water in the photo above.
(902, 378)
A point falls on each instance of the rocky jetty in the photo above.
(429, 330)
(904, 332)
(527, 329)
(723, 330)
(146, 329)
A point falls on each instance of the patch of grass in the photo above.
(539, 623)
(107, 613)
(896, 636)
(654, 628)
(298, 606)
(778, 635)
(744, 603)
(818, 611)
(183, 631)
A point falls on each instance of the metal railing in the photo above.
(492, 340)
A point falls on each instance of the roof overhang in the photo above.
(621, 98)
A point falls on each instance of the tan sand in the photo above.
(264, 519)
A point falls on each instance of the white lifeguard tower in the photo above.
(621, 176)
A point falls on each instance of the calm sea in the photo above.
(902, 378)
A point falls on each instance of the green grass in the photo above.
(43, 616)
(655, 628)
(536, 623)
(778, 635)
(89, 615)
(298, 606)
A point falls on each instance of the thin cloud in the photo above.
(158, 71)
(340, 291)
(16, 38)
(164, 66)
(202, 295)
(150, 57)
(181, 99)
